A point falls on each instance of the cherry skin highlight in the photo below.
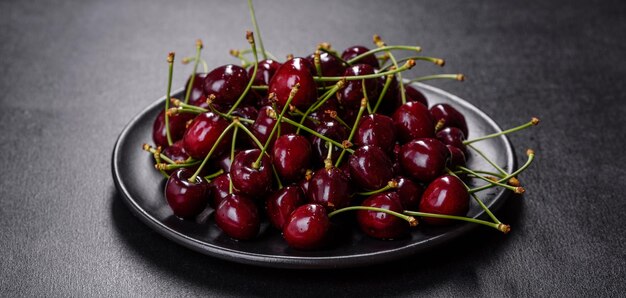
(377, 130)
(280, 204)
(450, 117)
(203, 133)
(227, 83)
(370, 168)
(292, 72)
(423, 159)
(178, 123)
(330, 188)
(248, 180)
(238, 217)
(379, 224)
(354, 51)
(291, 156)
(307, 227)
(444, 195)
(187, 199)
(412, 121)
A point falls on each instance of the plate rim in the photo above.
(299, 262)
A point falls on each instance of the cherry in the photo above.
(377, 130)
(330, 187)
(450, 117)
(351, 94)
(202, 134)
(263, 125)
(176, 152)
(354, 51)
(227, 83)
(282, 203)
(370, 168)
(196, 97)
(292, 72)
(332, 130)
(379, 224)
(457, 157)
(266, 70)
(331, 66)
(178, 123)
(445, 195)
(452, 136)
(224, 162)
(412, 121)
(219, 189)
(307, 227)
(291, 155)
(250, 180)
(423, 159)
(409, 192)
(187, 199)
(412, 94)
(246, 112)
(238, 217)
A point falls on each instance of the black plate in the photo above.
(142, 190)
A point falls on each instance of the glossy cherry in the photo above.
(412, 121)
(412, 94)
(178, 123)
(196, 97)
(370, 168)
(307, 227)
(227, 83)
(377, 130)
(379, 224)
(451, 117)
(280, 204)
(291, 156)
(457, 157)
(238, 217)
(409, 192)
(444, 195)
(330, 188)
(176, 152)
(354, 51)
(187, 199)
(220, 186)
(423, 159)
(331, 66)
(292, 72)
(351, 94)
(266, 70)
(255, 182)
(263, 125)
(330, 129)
(452, 136)
(203, 133)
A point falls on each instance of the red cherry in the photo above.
(248, 180)
(307, 227)
(370, 168)
(379, 224)
(444, 195)
(423, 159)
(178, 123)
(331, 66)
(413, 94)
(329, 188)
(332, 130)
(220, 186)
(354, 51)
(263, 125)
(409, 192)
(452, 136)
(291, 155)
(203, 133)
(238, 217)
(412, 121)
(187, 199)
(351, 94)
(227, 83)
(377, 130)
(457, 157)
(292, 72)
(450, 116)
(282, 203)
(196, 97)
(265, 71)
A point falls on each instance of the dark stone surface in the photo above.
(74, 73)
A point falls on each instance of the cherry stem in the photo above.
(175, 111)
(408, 65)
(454, 76)
(482, 172)
(211, 176)
(437, 61)
(328, 162)
(163, 167)
(410, 219)
(232, 156)
(382, 94)
(482, 154)
(195, 69)
(367, 100)
(531, 157)
(534, 121)
(500, 227)
(517, 190)
(157, 159)
(482, 205)
(152, 150)
(256, 28)
(315, 133)
(320, 102)
(334, 54)
(353, 131)
(258, 143)
(333, 114)
(384, 49)
(380, 43)
(217, 142)
(261, 87)
(170, 61)
(250, 38)
(205, 66)
(392, 184)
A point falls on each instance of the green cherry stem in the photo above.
(353, 131)
(482, 205)
(205, 66)
(195, 69)
(367, 100)
(320, 102)
(434, 60)
(292, 94)
(500, 227)
(170, 61)
(493, 164)
(250, 38)
(408, 65)
(392, 184)
(516, 189)
(384, 49)
(334, 54)
(232, 156)
(315, 133)
(333, 115)
(410, 219)
(211, 176)
(531, 157)
(153, 150)
(164, 167)
(206, 158)
(380, 43)
(454, 76)
(382, 94)
(533, 122)
(256, 28)
(258, 143)
(482, 172)
(261, 87)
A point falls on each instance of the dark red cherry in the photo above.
(178, 123)
(220, 186)
(450, 116)
(203, 133)
(377, 130)
(227, 83)
(330, 129)
(331, 66)
(409, 192)
(238, 217)
(370, 168)
(307, 227)
(176, 152)
(412, 121)
(263, 125)
(196, 97)
(412, 94)
(288, 75)
(291, 155)
(187, 199)
(248, 180)
(266, 70)
(354, 51)
(389, 102)
(457, 157)
(423, 159)
(223, 161)
(247, 112)
(452, 136)
(444, 195)
(379, 224)
(282, 203)
(351, 94)
(330, 188)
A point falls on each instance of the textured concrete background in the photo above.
(75, 72)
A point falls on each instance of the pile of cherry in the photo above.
(299, 141)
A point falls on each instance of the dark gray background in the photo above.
(74, 73)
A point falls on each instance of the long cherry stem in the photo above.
(250, 38)
(534, 121)
(170, 61)
(315, 133)
(500, 227)
(320, 102)
(531, 157)
(482, 205)
(388, 81)
(393, 184)
(211, 176)
(410, 219)
(437, 61)
(516, 189)
(484, 156)
(232, 156)
(454, 76)
(380, 43)
(353, 131)
(195, 69)
(384, 49)
(256, 28)
(206, 158)
(408, 65)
